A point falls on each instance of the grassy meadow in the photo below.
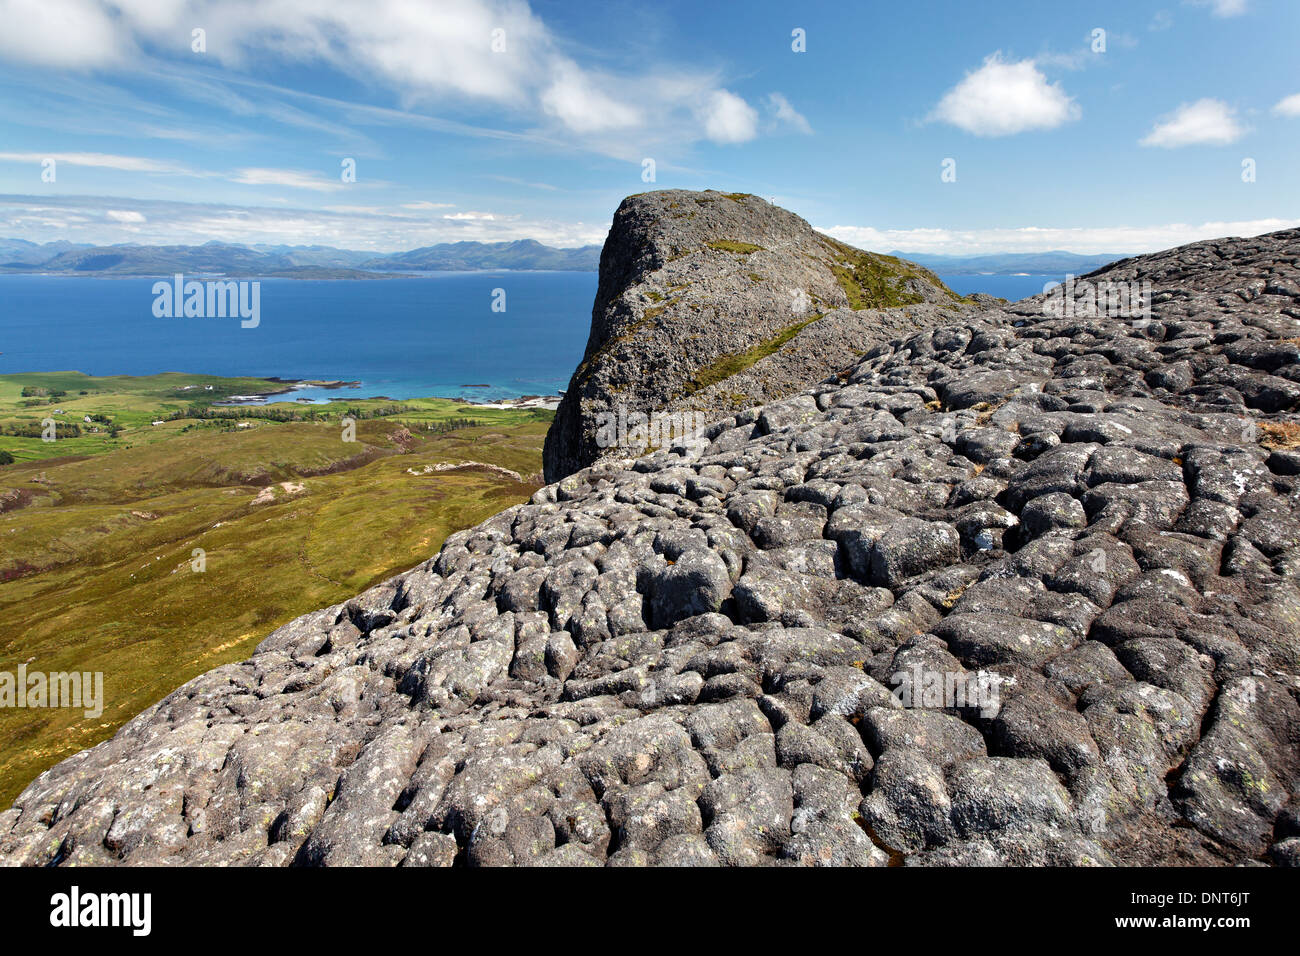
(98, 531)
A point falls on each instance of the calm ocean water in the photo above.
(403, 338)
(1008, 287)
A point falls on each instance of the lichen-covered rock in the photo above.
(716, 302)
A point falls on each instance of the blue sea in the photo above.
(432, 335)
(1011, 287)
(402, 338)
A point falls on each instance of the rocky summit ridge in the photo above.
(693, 657)
(714, 302)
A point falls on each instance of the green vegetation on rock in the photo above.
(875, 281)
(730, 365)
(734, 245)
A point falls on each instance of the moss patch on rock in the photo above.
(730, 365)
(874, 281)
(734, 245)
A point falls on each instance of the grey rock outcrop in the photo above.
(717, 302)
(693, 659)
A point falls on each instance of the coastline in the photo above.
(289, 386)
(551, 402)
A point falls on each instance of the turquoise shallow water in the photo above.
(434, 335)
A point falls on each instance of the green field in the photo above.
(98, 532)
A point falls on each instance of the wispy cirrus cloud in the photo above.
(134, 164)
(517, 181)
(293, 178)
(1004, 97)
(249, 176)
(786, 115)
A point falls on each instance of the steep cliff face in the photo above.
(1020, 588)
(712, 302)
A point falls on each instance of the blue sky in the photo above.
(1057, 142)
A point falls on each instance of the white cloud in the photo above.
(163, 222)
(727, 118)
(425, 204)
(293, 178)
(427, 52)
(1223, 8)
(785, 114)
(516, 181)
(80, 34)
(1289, 106)
(1001, 98)
(1084, 240)
(1208, 121)
(575, 101)
(134, 164)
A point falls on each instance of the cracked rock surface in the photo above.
(690, 658)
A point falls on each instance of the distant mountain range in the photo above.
(1011, 263)
(471, 256)
(327, 262)
(306, 262)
